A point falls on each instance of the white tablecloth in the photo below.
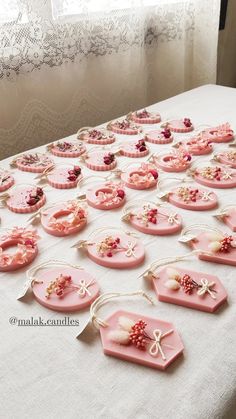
(46, 372)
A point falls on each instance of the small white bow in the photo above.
(227, 175)
(206, 287)
(130, 249)
(173, 218)
(83, 288)
(206, 196)
(155, 348)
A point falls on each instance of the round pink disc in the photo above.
(71, 301)
(67, 149)
(58, 178)
(167, 163)
(205, 200)
(228, 158)
(57, 227)
(15, 264)
(220, 184)
(6, 180)
(97, 137)
(178, 125)
(157, 137)
(144, 117)
(106, 196)
(130, 150)
(130, 253)
(35, 163)
(139, 179)
(95, 161)
(162, 227)
(17, 202)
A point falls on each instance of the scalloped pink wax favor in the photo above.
(6, 180)
(64, 177)
(179, 125)
(65, 289)
(134, 149)
(25, 199)
(106, 196)
(144, 176)
(194, 199)
(215, 177)
(24, 241)
(64, 219)
(178, 161)
(187, 288)
(96, 136)
(145, 117)
(144, 340)
(124, 126)
(67, 148)
(150, 219)
(163, 136)
(32, 162)
(226, 157)
(100, 160)
(220, 134)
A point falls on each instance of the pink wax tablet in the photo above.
(101, 161)
(77, 292)
(67, 148)
(229, 218)
(180, 125)
(134, 149)
(159, 136)
(216, 177)
(125, 127)
(171, 163)
(26, 199)
(145, 117)
(156, 221)
(6, 180)
(221, 134)
(64, 219)
(121, 251)
(227, 157)
(160, 348)
(35, 162)
(202, 242)
(199, 146)
(106, 196)
(96, 136)
(206, 291)
(64, 177)
(142, 177)
(193, 199)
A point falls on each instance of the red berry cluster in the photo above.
(29, 242)
(193, 194)
(187, 122)
(113, 246)
(64, 146)
(166, 132)
(152, 215)
(154, 173)
(59, 285)
(217, 173)
(226, 244)
(187, 156)
(120, 193)
(109, 158)
(74, 173)
(187, 283)
(34, 197)
(143, 114)
(94, 133)
(141, 145)
(138, 335)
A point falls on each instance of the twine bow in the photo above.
(227, 175)
(206, 287)
(83, 288)
(156, 346)
(130, 249)
(173, 218)
(206, 196)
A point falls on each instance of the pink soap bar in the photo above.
(26, 199)
(145, 117)
(97, 137)
(221, 134)
(228, 158)
(35, 163)
(159, 137)
(61, 177)
(170, 163)
(96, 161)
(171, 345)
(204, 302)
(202, 243)
(124, 127)
(67, 149)
(106, 196)
(74, 299)
(129, 252)
(134, 149)
(216, 177)
(76, 219)
(140, 178)
(163, 223)
(178, 125)
(6, 180)
(193, 199)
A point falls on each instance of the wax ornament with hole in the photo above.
(113, 248)
(24, 240)
(23, 199)
(139, 176)
(32, 162)
(61, 286)
(67, 148)
(179, 125)
(220, 134)
(151, 218)
(220, 177)
(106, 196)
(6, 180)
(196, 146)
(144, 117)
(124, 126)
(177, 161)
(226, 157)
(96, 136)
(227, 215)
(159, 136)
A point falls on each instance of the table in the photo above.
(47, 372)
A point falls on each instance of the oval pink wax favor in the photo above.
(220, 134)
(24, 242)
(32, 162)
(6, 180)
(64, 176)
(194, 199)
(134, 149)
(100, 160)
(144, 117)
(159, 136)
(65, 289)
(64, 219)
(179, 125)
(144, 176)
(215, 177)
(67, 148)
(106, 196)
(25, 199)
(124, 126)
(96, 136)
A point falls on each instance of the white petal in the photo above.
(172, 273)
(214, 246)
(172, 284)
(125, 323)
(119, 336)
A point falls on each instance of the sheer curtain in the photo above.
(69, 63)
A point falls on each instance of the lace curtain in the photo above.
(65, 63)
